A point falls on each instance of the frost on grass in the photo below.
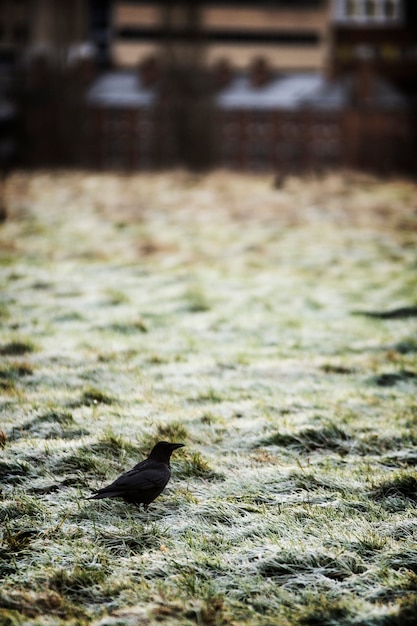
(270, 331)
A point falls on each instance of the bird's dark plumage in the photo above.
(143, 483)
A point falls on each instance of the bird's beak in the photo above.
(177, 445)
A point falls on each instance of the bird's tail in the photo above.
(94, 496)
(103, 493)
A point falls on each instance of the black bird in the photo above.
(143, 483)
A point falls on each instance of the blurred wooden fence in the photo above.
(59, 128)
(381, 141)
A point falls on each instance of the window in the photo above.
(390, 9)
(378, 12)
(370, 8)
(350, 8)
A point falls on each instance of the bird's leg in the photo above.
(146, 510)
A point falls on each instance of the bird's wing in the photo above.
(143, 478)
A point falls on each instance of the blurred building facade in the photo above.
(41, 25)
(291, 36)
(382, 32)
(273, 85)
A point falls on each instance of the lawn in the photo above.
(271, 329)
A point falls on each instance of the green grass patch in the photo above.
(17, 347)
(402, 485)
(13, 471)
(284, 566)
(50, 425)
(389, 379)
(128, 328)
(110, 444)
(83, 461)
(310, 439)
(93, 396)
(193, 465)
(196, 300)
(174, 431)
(135, 539)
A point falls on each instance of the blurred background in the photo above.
(282, 86)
